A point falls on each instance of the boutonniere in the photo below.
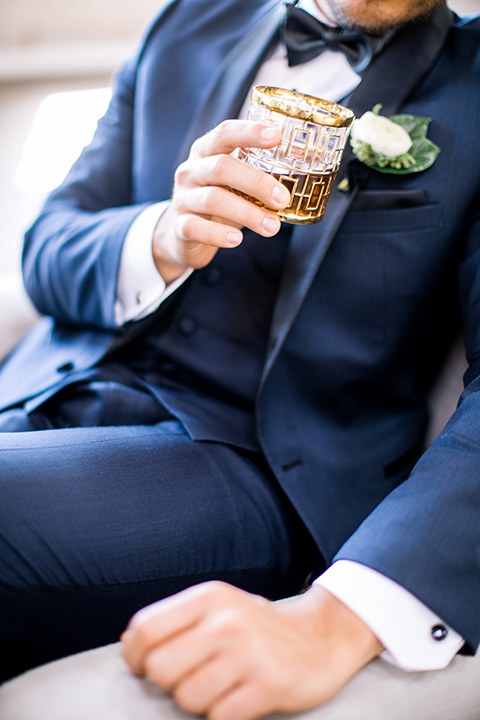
(397, 144)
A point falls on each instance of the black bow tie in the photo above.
(306, 37)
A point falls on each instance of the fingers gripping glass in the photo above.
(314, 134)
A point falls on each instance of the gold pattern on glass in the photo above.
(314, 134)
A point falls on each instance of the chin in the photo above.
(378, 16)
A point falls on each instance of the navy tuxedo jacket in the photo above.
(368, 300)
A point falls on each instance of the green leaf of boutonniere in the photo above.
(381, 146)
(423, 150)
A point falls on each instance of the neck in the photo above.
(318, 9)
(323, 12)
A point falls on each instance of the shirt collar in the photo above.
(311, 7)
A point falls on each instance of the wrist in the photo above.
(168, 267)
(357, 636)
(337, 629)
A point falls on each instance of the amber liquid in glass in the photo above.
(308, 196)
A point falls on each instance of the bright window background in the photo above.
(56, 61)
(64, 123)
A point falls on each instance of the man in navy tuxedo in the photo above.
(206, 403)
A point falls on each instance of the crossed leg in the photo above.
(98, 522)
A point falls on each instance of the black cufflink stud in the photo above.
(439, 632)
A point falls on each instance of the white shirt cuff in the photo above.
(400, 621)
(140, 287)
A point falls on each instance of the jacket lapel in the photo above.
(389, 80)
(226, 92)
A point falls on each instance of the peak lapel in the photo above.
(389, 80)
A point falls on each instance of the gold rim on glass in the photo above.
(305, 107)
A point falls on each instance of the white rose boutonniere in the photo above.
(396, 145)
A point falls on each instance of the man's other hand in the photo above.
(235, 656)
(203, 214)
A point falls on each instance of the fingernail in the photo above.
(281, 195)
(269, 133)
(271, 224)
(235, 238)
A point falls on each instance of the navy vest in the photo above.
(204, 356)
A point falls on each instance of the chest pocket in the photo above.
(381, 267)
(404, 239)
(400, 231)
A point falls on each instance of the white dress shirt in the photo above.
(401, 622)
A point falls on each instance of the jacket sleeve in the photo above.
(426, 534)
(72, 252)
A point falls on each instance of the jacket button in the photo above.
(187, 325)
(65, 368)
(439, 632)
(212, 276)
(168, 367)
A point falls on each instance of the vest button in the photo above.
(65, 368)
(187, 325)
(168, 367)
(212, 276)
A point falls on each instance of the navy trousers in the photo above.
(96, 522)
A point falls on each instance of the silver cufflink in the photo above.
(439, 632)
